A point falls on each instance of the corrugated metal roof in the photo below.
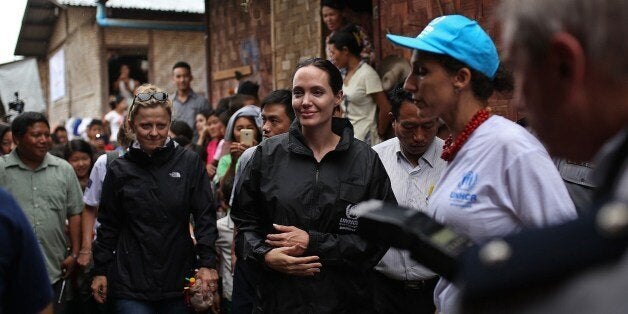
(37, 23)
(188, 6)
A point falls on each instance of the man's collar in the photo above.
(191, 94)
(13, 159)
(429, 155)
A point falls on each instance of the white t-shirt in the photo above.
(501, 181)
(360, 107)
(223, 246)
(115, 121)
(91, 196)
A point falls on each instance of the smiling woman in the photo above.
(149, 118)
(79, 155)
(147, 198)
(293, 205)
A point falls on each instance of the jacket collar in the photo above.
(159, 156)
(340, 126)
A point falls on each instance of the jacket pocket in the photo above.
(132, 270)
(351, 193)
(51, 209)
(137, 201)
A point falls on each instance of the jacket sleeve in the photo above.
(202, 207)
(111, 218)
(248, 211)
(351, 249)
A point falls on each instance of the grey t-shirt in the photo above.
(187, 111)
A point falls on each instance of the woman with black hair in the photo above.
(293, 208)
(201, 134)
(181, 133)
(499, 178)
(79, 155)
(332, 12)
(6, 136)
(365, 103)
(115, 118)
(243, 119)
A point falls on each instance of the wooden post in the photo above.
(208, 54)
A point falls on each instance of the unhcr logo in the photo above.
(462, 195)
(468, 181)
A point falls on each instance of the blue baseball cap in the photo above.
(458, 37)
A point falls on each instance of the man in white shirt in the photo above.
(412, 161)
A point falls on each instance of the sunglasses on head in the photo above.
(160, 96)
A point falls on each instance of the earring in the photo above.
(456, 90)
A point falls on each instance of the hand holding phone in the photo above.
(246, 137)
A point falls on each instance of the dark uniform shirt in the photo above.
(578, 178)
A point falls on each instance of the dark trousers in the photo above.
(245, 280)
(172, 306)
(395, 296)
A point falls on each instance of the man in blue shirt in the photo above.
(24, 283)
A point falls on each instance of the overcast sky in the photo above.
(11, 13)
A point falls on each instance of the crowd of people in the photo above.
(172, 205)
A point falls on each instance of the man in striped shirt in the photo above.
(412, 160)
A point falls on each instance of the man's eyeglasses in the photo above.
(161, 96)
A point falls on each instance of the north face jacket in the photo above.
(143, 244)
(284, 184)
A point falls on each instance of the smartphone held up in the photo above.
(246, 137)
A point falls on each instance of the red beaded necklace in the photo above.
(451, 147)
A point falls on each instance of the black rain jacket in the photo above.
(284, 184)
(143, 244)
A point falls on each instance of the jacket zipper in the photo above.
(314, 203)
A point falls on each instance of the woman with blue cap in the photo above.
(499, 178)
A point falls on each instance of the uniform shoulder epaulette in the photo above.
(542, 257)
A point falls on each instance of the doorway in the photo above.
(127, 69)
(355, 12)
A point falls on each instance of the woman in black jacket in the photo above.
(144, 251)
(294, 206)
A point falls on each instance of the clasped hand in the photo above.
(290, 244)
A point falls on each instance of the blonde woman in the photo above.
(143, 249)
